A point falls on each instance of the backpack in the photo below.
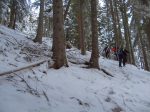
(120, 52)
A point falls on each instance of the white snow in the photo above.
(71, 89)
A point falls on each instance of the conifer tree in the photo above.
(94, 60)
(59, 54)
(40, 23)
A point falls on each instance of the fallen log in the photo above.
(24, 67)
(77, 62)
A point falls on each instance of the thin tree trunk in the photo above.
(147, 30)
(94, 60)
(146, 67)
(81, 27)
(67, 9)
(117, 21)
(115, 30)
(108, 18)
(132, 60)
(127, 32)
(39, 35)
(125, 29)
(14, 24)
(12, 14)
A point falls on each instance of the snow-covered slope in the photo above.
(17, 50)
(72, 89)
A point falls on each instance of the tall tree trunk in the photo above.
(129, 35)
(117, 21)
(109, 15)
(146, 67)
(81, 27)
(39, 35)
(59, 54)
(127, 32)
(108, 20)
(12, 14)
(94, 60)
(125, 29)
(15, 17)
(115, 30)
(147, 29)
(65, 15)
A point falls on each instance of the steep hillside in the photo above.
(72, 89)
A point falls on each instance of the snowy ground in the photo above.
(73, 89)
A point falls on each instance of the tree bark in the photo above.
(59, 54)
(147, 30)
(146, 67)
(108, 18)
(39, 35)
(115, 30)
(81, 27)
(94, 60)
(127, 35)
(117, 21)
(12, 14)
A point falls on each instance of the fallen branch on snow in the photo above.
(24, 67)
(106, 72)
(44, 93)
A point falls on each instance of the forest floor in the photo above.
(71, 89)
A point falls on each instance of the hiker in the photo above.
(122, 56)
(107, 51)
(115, 50)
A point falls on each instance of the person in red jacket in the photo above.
(115, 50)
